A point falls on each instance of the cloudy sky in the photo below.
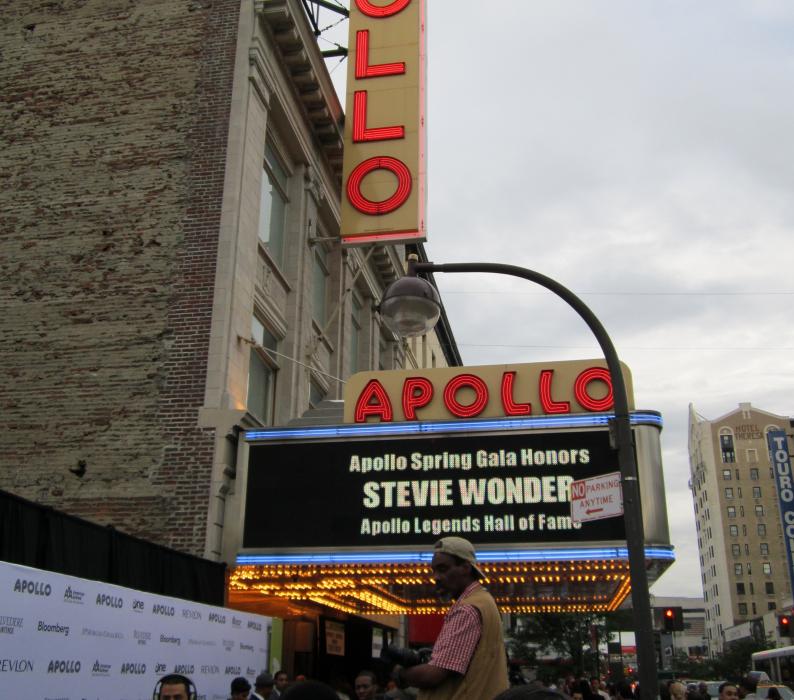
(641, 153)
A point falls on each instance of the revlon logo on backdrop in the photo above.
(488, 391)
(384, 153)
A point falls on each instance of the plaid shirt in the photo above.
(459, 635)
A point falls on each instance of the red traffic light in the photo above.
(784, 625)
(673, 619)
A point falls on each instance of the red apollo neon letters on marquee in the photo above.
(417, 392)
(392, 8)
(363, 69)
(362, 133)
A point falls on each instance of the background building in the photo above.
(171, 272)
(743, 562)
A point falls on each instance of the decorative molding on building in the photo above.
(305, 67)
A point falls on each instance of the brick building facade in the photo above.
(169, 270)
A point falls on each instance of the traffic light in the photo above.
(784, 625)
(673, 619)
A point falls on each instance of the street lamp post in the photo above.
(411, 298)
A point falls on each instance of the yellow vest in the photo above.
(487, 674)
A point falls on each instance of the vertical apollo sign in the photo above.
(384, 158)
(781, 462)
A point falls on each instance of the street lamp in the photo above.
(403, 309)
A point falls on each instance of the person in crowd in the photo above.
(703, 690)
(747, 688)
(366, 686)
(677, 691)
(174, 687)
(263, 687)
(623, 691)
(241, 688)
(773, 693)
(596, 690)
(728, 691)
(280, 683)
(467, 662)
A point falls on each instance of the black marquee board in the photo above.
(495, 489)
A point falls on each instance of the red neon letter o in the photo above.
(580, 389)
(367, 206)
(367, 8)
(480, 400)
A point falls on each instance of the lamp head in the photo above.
(410, 306)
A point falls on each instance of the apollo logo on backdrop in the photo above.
(32, 587)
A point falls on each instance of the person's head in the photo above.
(454, 566)
(623, 690)
(365, 685)
(728, 691)
(773, 693)
(174, 687)
(241, 689)
(264, 684)
(595, 683)
(747, 685)
(281, 680)
(677, 690)
(703, 688)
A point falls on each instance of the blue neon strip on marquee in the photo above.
(526, 555)
(594, 420)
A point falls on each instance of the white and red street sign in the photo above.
(596, 498)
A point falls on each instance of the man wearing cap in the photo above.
(240, 688)
(263, 686)
(468, 660)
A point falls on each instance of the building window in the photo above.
(731, 511)
(740, 588)
(734, 530)
(319, 286)
(764, 549)
(728, 493)
(262, 373)
(762, 529)
(726, 474)
(737, 569)
(736, 550)
(766, 567)
(756, 492)
(753, 473)
(770, 587)
(771, 605)
(759, 511)
(726, 446)
(273, 205)
(743, 608)
(752, 455)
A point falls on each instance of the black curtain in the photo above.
(44, 538)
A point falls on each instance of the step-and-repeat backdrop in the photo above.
(66, 638)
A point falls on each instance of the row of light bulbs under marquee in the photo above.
(407, 589)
